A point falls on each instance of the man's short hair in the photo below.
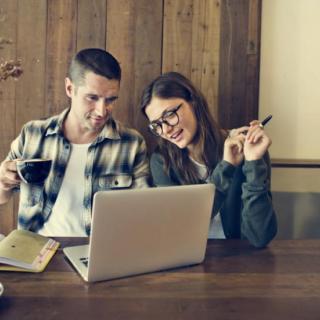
(95, 60)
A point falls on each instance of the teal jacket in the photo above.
(243, 197)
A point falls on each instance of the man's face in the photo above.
(92, 101)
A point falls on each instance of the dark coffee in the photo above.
(33, 170)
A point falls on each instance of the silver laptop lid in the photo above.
(144, 230)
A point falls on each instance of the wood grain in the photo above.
(206, 49)
(235, 281)
(239, 62)
(177, 36)
(139, 51)
(191, 41)
(61, 46)
(91, 26)
(8, 51)
(32, 52)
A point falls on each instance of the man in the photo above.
(90, 151)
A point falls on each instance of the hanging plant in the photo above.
(10, 68)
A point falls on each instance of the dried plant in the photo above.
(10, 68)
(4, 41)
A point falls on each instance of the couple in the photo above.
(91, 152)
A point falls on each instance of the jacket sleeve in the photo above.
(249, 184)
(258, 223)
(222, 178)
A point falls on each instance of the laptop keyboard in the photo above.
(85, 261)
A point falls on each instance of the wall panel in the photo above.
(205, 50)
(30, 93)
(134, 36)
(191, 43)
(8, 48)
(61, 46)
(239, 62)
(91, 26)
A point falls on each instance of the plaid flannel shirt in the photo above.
(117, 158)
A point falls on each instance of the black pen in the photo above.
(261, 125)
(265, 121)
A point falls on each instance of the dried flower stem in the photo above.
(10, 68)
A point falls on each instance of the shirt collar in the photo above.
(56, 126)
(109, 131)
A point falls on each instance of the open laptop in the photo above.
(144, 230)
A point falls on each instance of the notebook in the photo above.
(27, 251)
(144, 230)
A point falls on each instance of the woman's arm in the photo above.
(258, 223)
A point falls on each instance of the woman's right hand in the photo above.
(233, 146)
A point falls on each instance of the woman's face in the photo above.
(183, 133)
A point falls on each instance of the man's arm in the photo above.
(9, 180)
(141, 170)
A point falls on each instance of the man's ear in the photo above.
(69, 87)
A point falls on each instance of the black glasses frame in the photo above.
(156, 126)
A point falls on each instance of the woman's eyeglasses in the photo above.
(170, 118)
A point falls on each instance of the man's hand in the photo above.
(9, 177)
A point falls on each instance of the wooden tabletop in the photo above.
(236, 281)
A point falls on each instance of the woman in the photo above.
(193, 149)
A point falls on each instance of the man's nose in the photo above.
(101, 108)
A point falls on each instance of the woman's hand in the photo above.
(233, 146)
(247, 142)
(256, 142)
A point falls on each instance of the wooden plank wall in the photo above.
(213, 42)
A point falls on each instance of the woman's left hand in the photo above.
(256, 142)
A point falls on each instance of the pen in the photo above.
(234, 132)
(265, 121)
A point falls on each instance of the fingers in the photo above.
(9, 177)
(234, 149)
(254, 122)
(237, 131)
(256, 133)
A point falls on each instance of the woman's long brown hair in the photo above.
(209, 137)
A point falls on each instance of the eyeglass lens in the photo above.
(170, 118)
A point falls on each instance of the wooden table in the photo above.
(236, 281)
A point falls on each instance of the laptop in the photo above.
(144, 230)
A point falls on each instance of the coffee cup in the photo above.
(33, 170)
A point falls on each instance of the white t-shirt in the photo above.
(216, 229)
(66, 218)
